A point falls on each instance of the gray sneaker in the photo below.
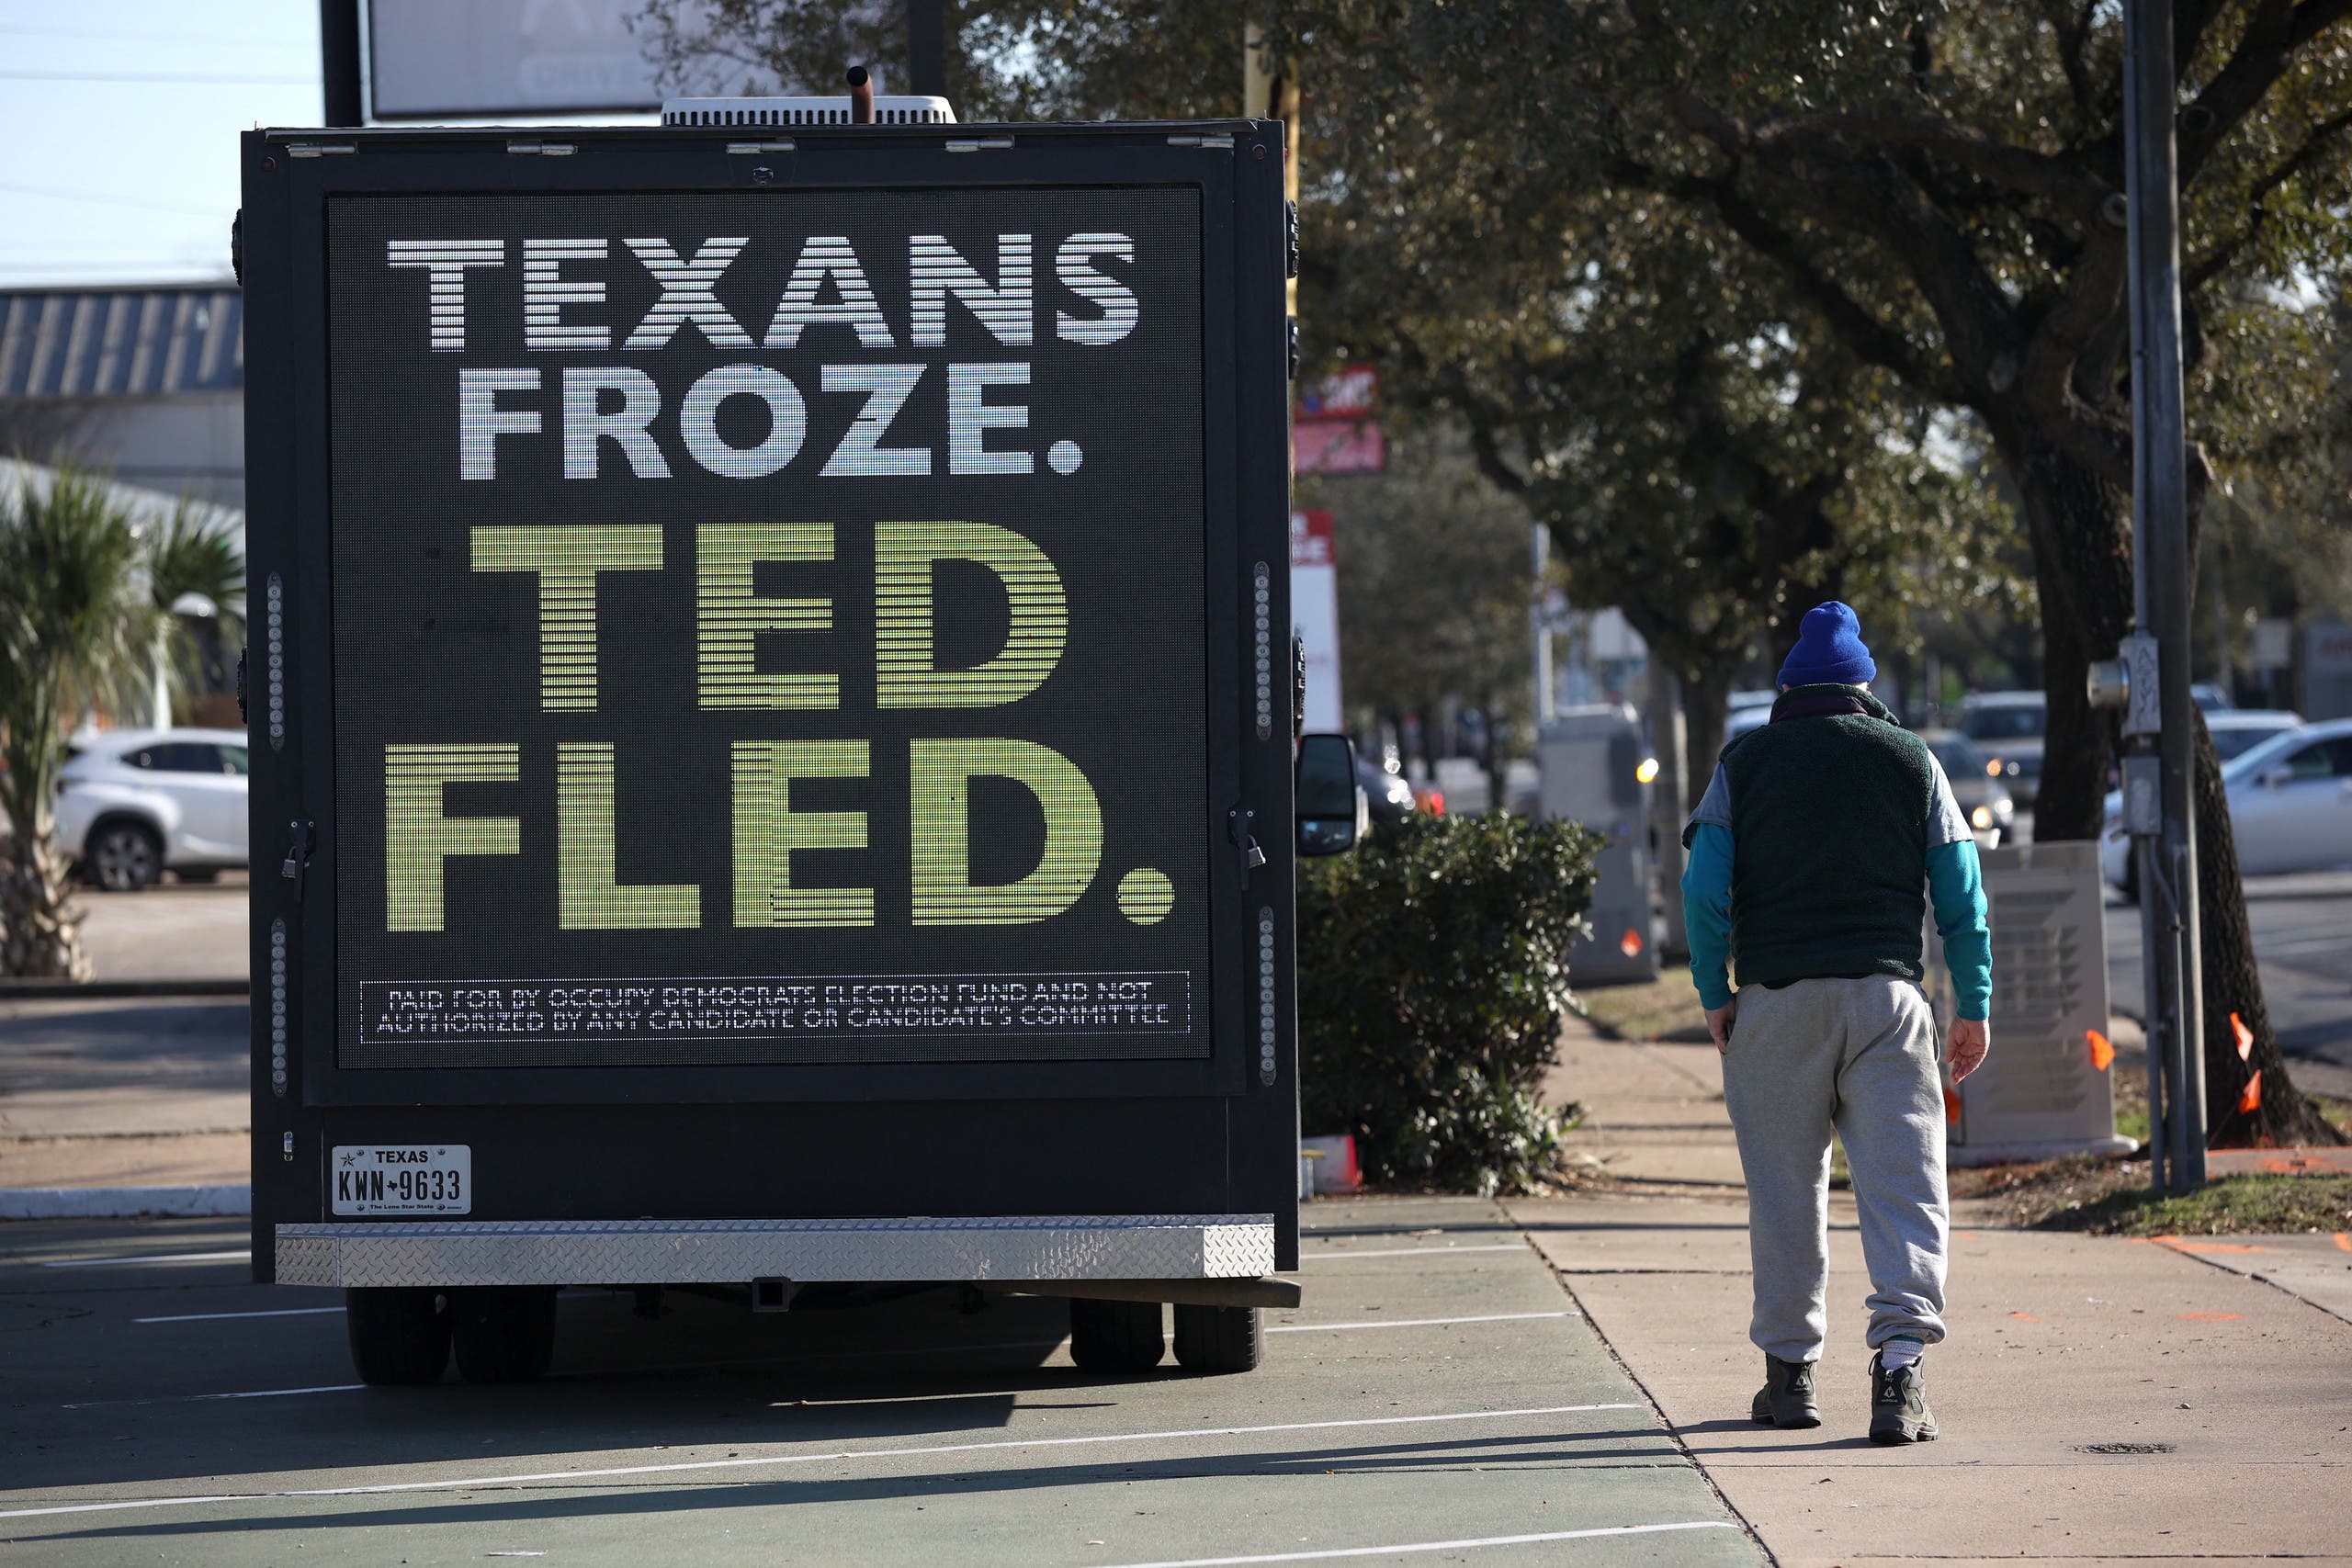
(1899, 1412)
(1787, 1399)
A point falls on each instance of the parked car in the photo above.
(2211, 697)
(1390, 797)
(1739, 721)
(133, 802)
(2239, 730)
(1985, 800)
(2009, 728)
(2291, 806)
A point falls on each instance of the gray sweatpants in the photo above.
(1860, 1055)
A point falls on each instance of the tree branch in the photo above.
(2225, 253)
(1861, 331)
(2071, 24)
(2276, 31)
(1868, 194)
(2074, 188)
(1491, 461)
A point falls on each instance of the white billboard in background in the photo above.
(469, 58)
(1314, 614)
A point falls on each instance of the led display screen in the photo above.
(768, 628)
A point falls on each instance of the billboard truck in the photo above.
(772, 723)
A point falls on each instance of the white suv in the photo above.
(131, 803)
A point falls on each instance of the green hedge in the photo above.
(1431, 982)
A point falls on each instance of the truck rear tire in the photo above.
(1115, 1336)
(399, 1337)
(1214, 1339)
(503, 1332)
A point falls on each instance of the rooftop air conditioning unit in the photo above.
(901, 109)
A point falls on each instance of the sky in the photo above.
(119, 124)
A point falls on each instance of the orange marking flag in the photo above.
(1951, 1106)
(2244, 1036)
(2251, 1100)
(2343, 1240)
(2102, 1049)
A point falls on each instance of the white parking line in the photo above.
(1415, 1252)
(1415, 1322)
(832, 1456)
(219, 1317)
(1432, 1546)
(202, 1398)
(240, 1256)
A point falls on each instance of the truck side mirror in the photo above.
(1330, 802)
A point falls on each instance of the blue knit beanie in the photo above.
(1829, 650)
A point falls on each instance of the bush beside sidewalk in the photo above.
(2101, 1397)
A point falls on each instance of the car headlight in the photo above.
(1980, 817)
(1992, 769)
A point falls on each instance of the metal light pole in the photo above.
(2159, 778)
(339, 61)
(1539, 622)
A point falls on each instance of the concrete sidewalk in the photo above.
(2101, 1398)
(123, 1092)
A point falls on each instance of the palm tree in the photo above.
(196, 578)
(79, 627)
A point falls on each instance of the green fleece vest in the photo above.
(1829, 830)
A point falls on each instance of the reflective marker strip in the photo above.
(240, 1256)
(833, 1456)
(1432, 1545)
(221, 1316)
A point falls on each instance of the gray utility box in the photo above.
(2042, 1092)
(1590, 760)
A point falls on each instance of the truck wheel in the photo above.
(398, 1336)
(1219, 1340)
(503, 1332)
(1115, 1336)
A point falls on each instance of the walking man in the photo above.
(1822, 840)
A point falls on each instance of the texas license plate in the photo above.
(402, 1178)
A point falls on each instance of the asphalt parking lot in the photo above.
(1437, 1397)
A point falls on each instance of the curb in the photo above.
(51, 991)
(124, 1203)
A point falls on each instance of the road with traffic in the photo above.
(2303, 938)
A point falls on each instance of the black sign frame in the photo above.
(290, 176)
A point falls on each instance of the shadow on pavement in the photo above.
(1453, 1455)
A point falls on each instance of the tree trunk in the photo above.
(2081, 534)
(40, 932)
(2281, 1117)
(1706, 699)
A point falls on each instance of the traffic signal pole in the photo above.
(2159, 766)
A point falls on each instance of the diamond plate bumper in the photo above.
(734, 1252)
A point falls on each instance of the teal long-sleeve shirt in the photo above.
(1955, 891)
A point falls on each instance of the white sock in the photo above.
(1900, 1352)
